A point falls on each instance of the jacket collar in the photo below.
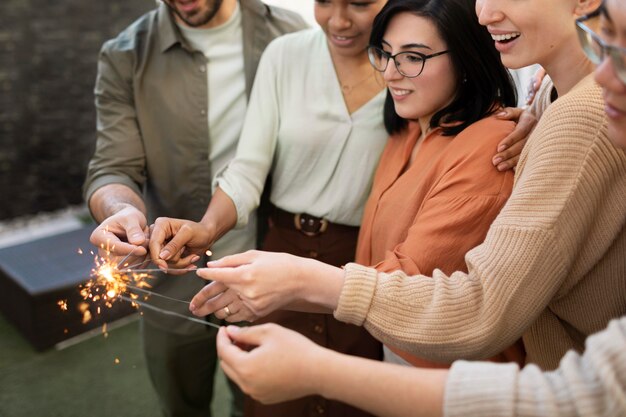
(169, 34)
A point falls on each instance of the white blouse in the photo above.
(298, 128)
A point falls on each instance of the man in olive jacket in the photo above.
(171, 95)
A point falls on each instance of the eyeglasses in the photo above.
(409, 64)
(597, 50)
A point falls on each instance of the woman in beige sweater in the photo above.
(286, 365)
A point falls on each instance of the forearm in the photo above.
(111, 198)
(380, 388)
(221, 215)
(319, 288)
(593, 384)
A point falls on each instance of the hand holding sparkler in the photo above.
(267, 282)
(178, 243)
(283, 365)
(125, 233)
(225, 303)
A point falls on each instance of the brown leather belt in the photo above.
(306, 224)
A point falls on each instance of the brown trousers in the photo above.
(336, 246)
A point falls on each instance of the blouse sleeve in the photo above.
(593, 384)
(244, 177)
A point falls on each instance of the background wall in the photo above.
(48, 55)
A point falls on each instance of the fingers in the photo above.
(251, 336)
(226, 275)
(135, 231)
(510, 157)
(510, 148)
(234, 261)
(510, 113)
(244, 314)
(229, 353)
(111, 244)
(198, 303)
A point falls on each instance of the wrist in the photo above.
(210, 230)
(321, 378)
(323, 288)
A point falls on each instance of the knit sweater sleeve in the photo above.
(519, 268)
(590, 385)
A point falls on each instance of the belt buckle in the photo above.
(306, 226)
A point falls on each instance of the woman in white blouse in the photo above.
(314, 124)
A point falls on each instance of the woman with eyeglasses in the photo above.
(552, 266)
(434, 194)
(286, 365)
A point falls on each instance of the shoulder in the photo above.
(287, 20)
(576, 119)
(278, 20)
(488, 126)
(134, 36)
(483, 136)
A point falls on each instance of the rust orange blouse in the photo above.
(430, 213)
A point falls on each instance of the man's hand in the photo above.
(121, 234)
(178, 243)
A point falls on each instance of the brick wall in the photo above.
(48, 54)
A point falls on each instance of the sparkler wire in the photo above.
(168, 312)
(156, 294)
(124, 260)
(127, 270)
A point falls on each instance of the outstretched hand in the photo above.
(264, 281)
(270, 363)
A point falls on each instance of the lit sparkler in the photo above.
(111, 281)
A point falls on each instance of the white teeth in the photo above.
(506, 37)
(397, 92)
(341, 38)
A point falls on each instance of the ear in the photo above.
(584, 7)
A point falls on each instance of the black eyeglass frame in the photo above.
(586, 36)
(373, 49)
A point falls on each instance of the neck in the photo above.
(567, 68)
(349, 61)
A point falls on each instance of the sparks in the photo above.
(106, 283)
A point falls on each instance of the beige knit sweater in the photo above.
(591, 385)
(552, 268)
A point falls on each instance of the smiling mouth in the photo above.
(506, 38)
(399, 92)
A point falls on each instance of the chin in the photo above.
(514, 62)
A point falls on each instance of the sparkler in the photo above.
(111, 281)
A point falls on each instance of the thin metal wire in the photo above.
(168, 312)
(127, 270)
(123, 260)
(148, 260)
(156, 294)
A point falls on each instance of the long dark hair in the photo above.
(483, 83)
